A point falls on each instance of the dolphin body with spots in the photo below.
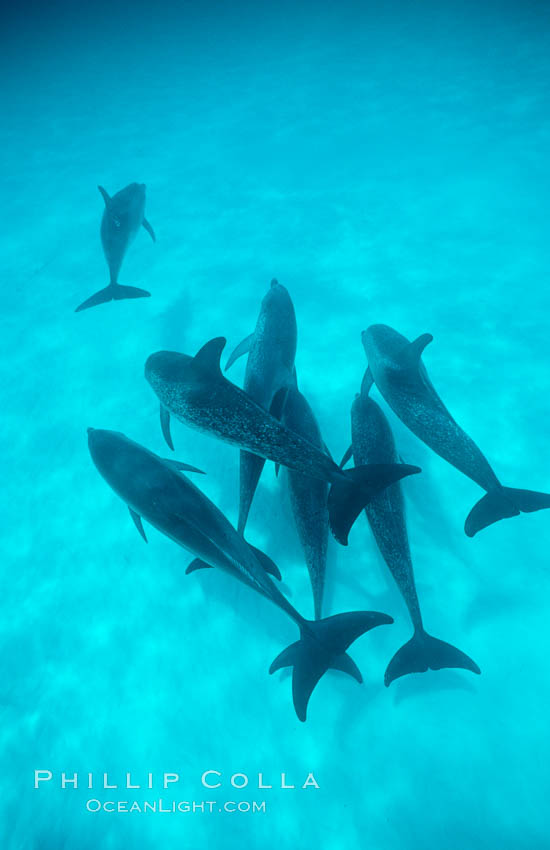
(372, 442)
(156, 490)
(396, 367)
(194, 390)
(308, 496)
(123, 216)
(271, 350)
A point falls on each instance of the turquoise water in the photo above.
(386, 166)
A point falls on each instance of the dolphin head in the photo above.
(382, 342)
(277, 322)
(137, 189)
(129, 469)
(276, 292)
(110, 451)
(166, 369)
(100, 440)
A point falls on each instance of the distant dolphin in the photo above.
(271, 350)
(372, 442)
(124, 214)
(155, 490)
(398, 371)
(308, 496)
(196, 392)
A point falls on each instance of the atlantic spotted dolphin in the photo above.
(123, 216)
(271, 350)
(308, 496)
(372, 442)
(155, 490)
(397, 369)
(196, 392)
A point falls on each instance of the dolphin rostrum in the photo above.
(397, 369)
(196, 392)
(372, 442)
(156, 490)
(123, 215)
(308, 496)
(271, 350)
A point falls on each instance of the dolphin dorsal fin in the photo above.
(207, 359)
(411, 354)
(105, 195)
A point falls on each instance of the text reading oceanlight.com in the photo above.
(210, 779)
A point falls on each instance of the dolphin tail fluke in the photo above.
(122, 292)
(322, 646)
(424, 652)
(100, 297)
(350, 494)
(502, 503)
(113, 292)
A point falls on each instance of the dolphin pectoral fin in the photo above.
(501, 504)
(322, 645)
(165, 426)
(411, 354)
(207, 359)
(347, 499)
(424, 652)
(348, 454)
(149, 229)
(266, 562)
(197, 564)
(278, 403)
(105, 195)
(178, 466)
(367, 382)
(345, 664)
(138, 523)
(242, 348)
(250, 471)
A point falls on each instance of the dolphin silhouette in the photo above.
(397, 369)
(196, 392)
(372, 442)
(156, 490)
(308, 496)
(123, 215)
(271, 350)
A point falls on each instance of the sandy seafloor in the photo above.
(385, 167)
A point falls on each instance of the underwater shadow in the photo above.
(431, 682)
(174, 323)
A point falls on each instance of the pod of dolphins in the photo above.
(270, 419)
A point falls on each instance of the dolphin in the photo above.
(396, 366)
(123, 215)
(156, 490)
(372, 442)
(308, 496)
(271, 350)
(196, 392)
